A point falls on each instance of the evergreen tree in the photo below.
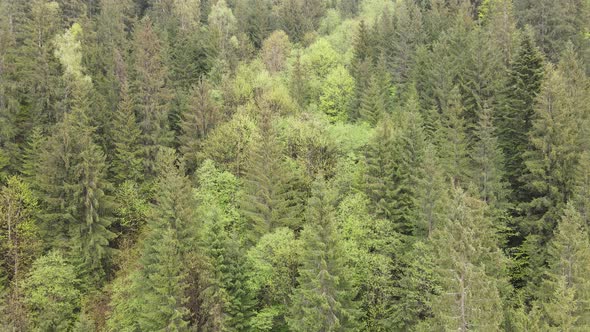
(566, 291)
(555, 150)
(380, 168)
(269, 199)
(362, 59)
(171, 236)
(201, 117)
(470, 267)
(554, 23)
(151, 93)
(452, 140)
(488, 162)
(72, 176)
(52, 293)
(515, 115)
(163, 284)
(376, 99)
(323, 300)
(126, 163)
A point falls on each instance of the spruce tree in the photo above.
(514, 120)
(470, 267)
(269, 199)
(380, 168)
(488, 161)
(323, 299)
(452, 140)
(126, 163)
(376, 99)
(72, 176)
(566, 289)
(551, 162)
(171, 235)
(197, 121)
(151, 93)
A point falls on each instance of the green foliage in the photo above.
(566, 290)
(323, 300)
(470, 268)
(336, 94)
(515, 116)
(52, 293)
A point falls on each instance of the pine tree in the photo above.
(269, 199)
(380, 169)
(52, 293)
(171, 235)
(470, 267)
(198, 120)
(323, 300)
(566, 291)
(482, 79)
(360, 64)
(515, 115)
(554, 23)
(408, 158)
(452, 140)
(151, 93)
(488, 161)
(126, 163)
(72, 175)
(432, 189)
(552, 160)
(376, 99)
(163, 306)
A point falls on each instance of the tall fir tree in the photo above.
(554, 153)
(150, 92)
(323, 300)
(470, 267)
(488, 162)
(514, 119)
(452, 140)
(565, 297)
(270, 199)
(126, 161)
(198, 120)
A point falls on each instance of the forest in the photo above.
(294, 165)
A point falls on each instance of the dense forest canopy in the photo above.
(294, 165)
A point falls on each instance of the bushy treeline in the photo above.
(294, 165)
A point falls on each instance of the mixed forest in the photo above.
(294, 165)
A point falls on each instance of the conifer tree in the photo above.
(452, 140)
(30, 156)
(360, 64)
(163, 305)
(515, 115)
(488, 161)
(470, 267)
(172, 233)
(380, 169)
(126, 163)
(432, 189)
(408, 158)
(197, 121)
(232, 302)
(151, 93)
(376, 99)
(323, 300)
(72, 176)
(269, 199)
(52, 293)
(566, 290)
(555, 151)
